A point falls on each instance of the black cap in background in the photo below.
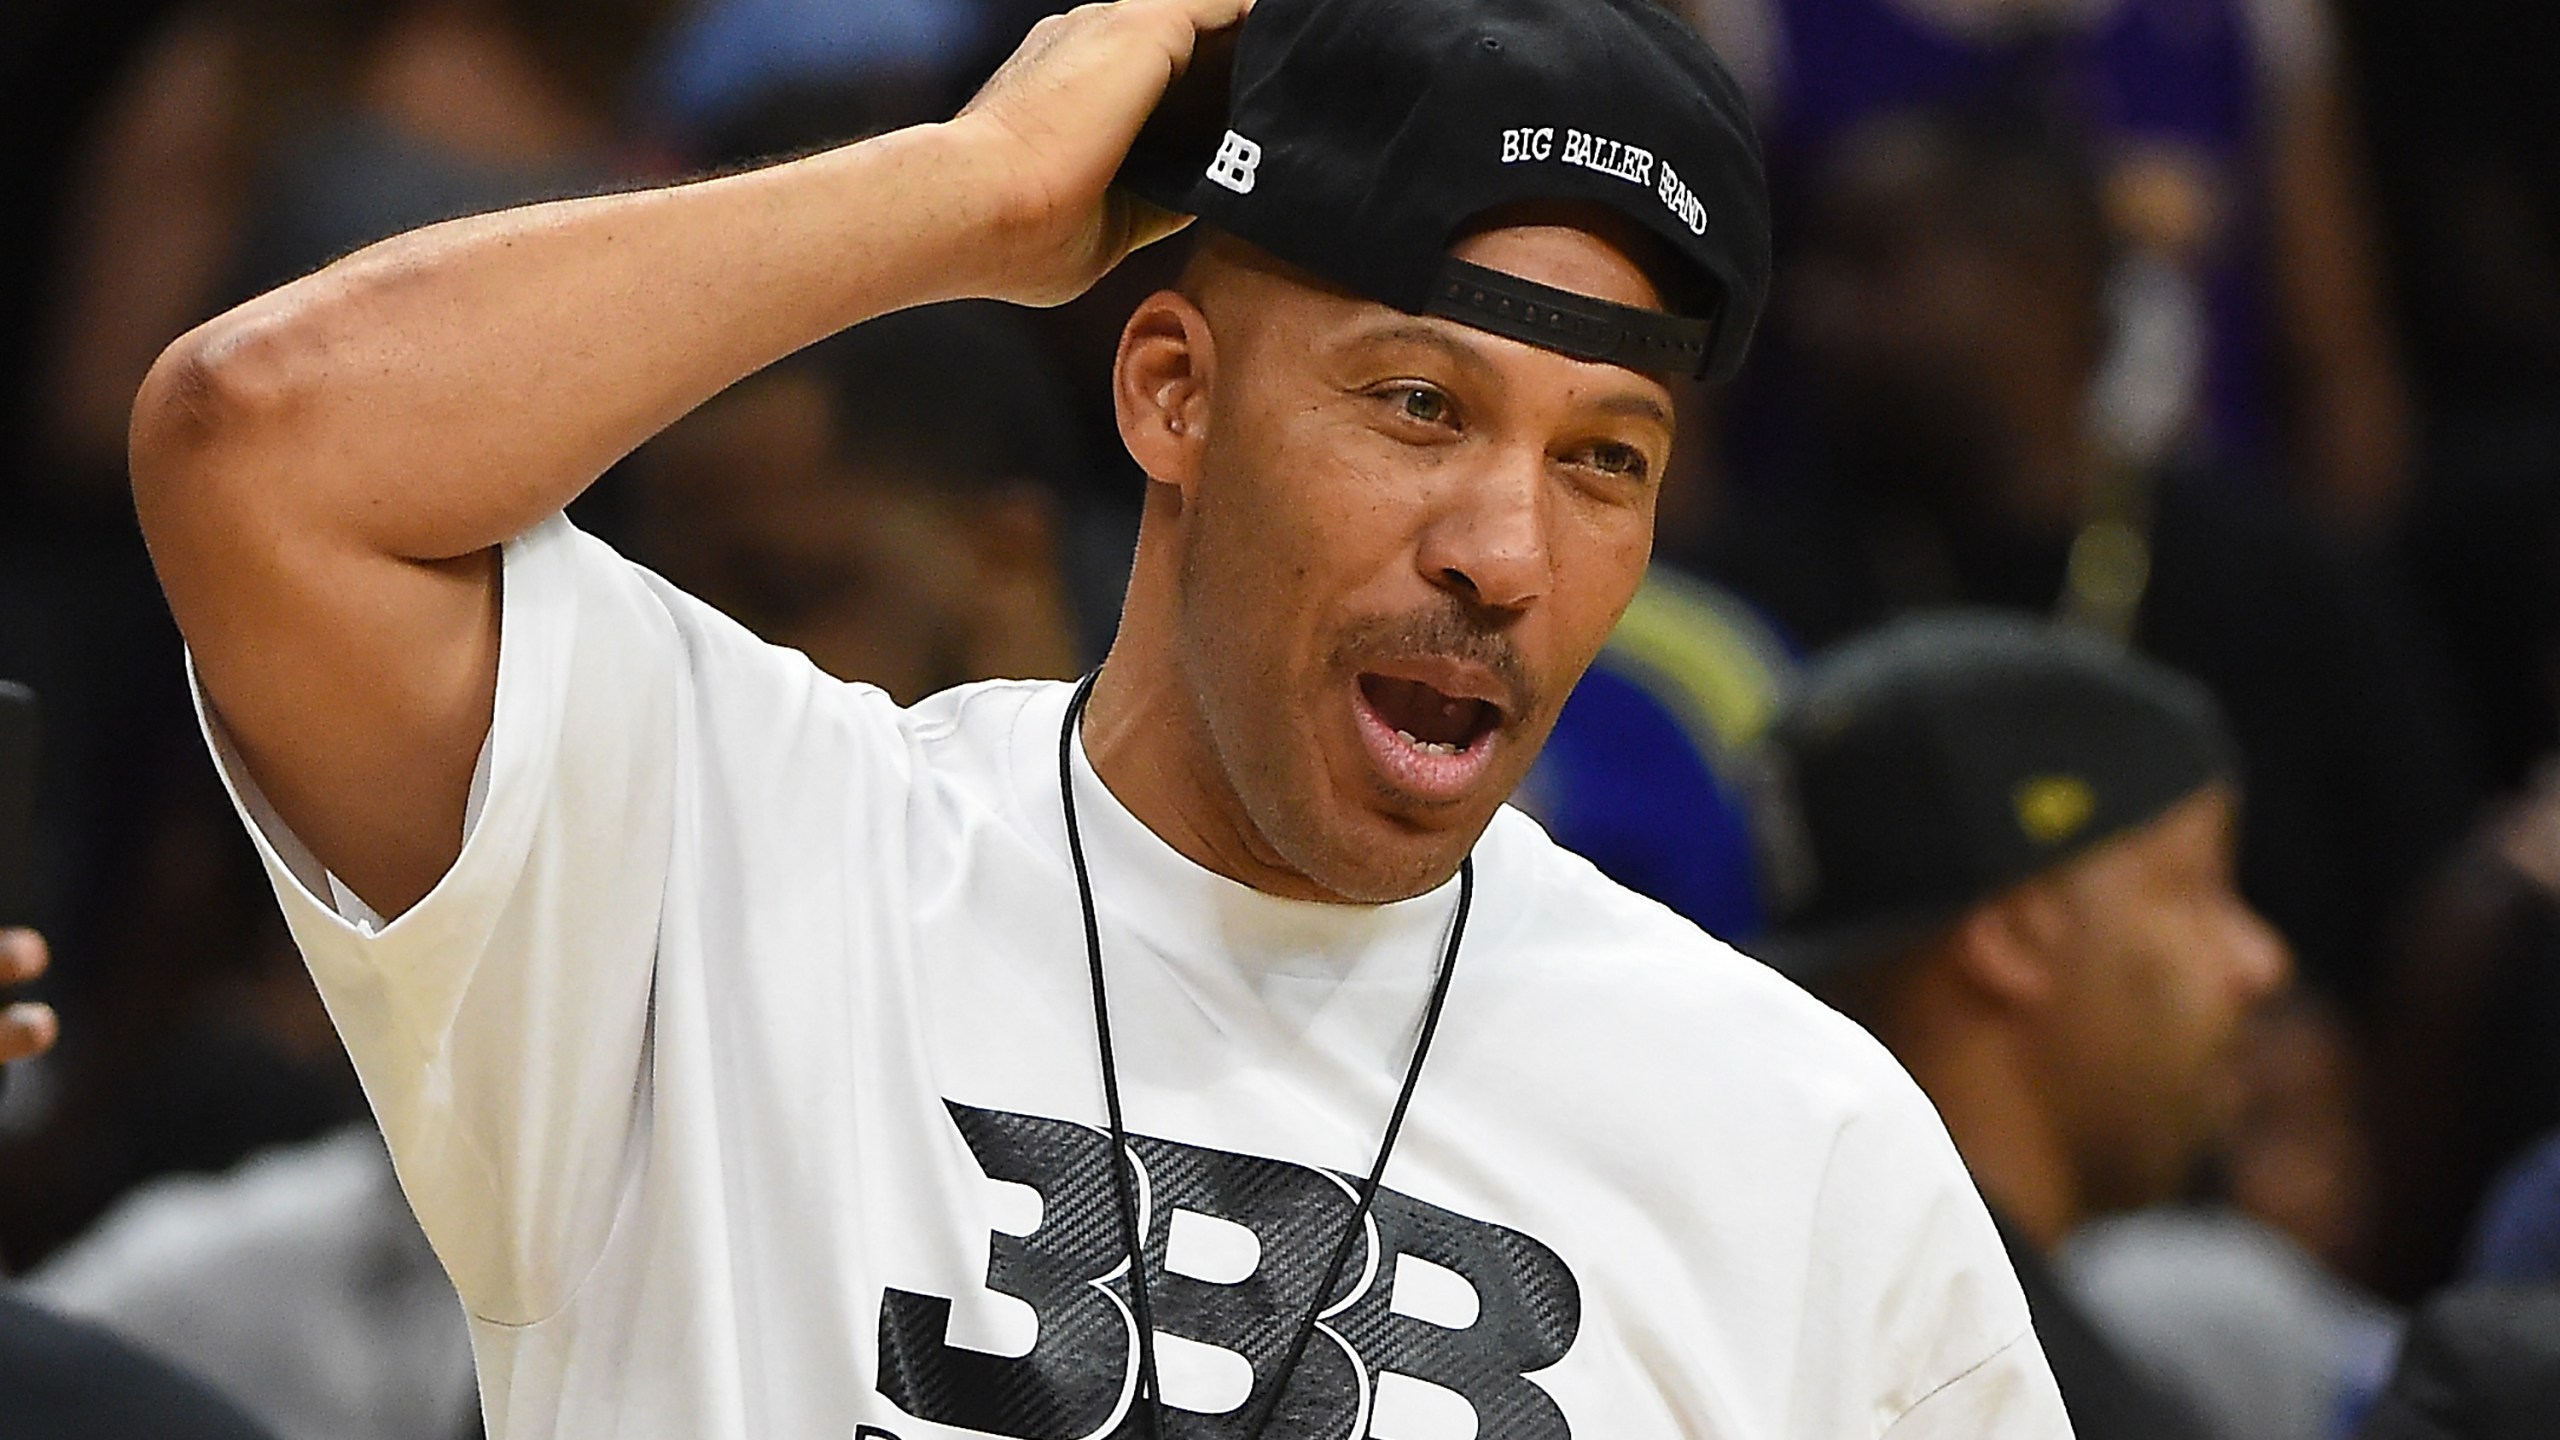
(1932, 765)
(1357, 139)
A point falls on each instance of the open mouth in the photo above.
(1427, 742)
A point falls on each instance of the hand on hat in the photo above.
(1054, 124)
(26, 1030)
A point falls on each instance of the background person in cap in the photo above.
(2013, 850)
(702, 996)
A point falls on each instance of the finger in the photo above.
(26, 1031)
(1213, 14)
(23, 956)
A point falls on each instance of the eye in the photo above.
(1611, 457)
(1420, 403)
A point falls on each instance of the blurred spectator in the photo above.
(2481, 1364)
(888, 501)
(1094, 482)
(1951, 290)
(2223, 132)
(298, 1285)
(201, 1042)
(2464, 124)
(2012, 861)
(249, 140)
(2468, 1069)
(255, 140)
(1649, 773)
(68, 1381)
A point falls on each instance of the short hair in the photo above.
(2013, 163)
(958, 395)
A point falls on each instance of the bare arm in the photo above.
(324, 472)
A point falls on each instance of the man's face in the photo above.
(1405, 541)
(2161, 964)
(750, 505)
(1931, 327)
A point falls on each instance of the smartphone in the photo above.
(17, 804)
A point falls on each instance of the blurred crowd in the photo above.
(2224, 333)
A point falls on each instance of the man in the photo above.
(2013, 851)
(1951, 298)
(746, 1043)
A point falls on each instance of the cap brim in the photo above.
(1826, 952)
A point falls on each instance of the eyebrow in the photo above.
(1429, 337)
(1432, 337)
(1642, 407)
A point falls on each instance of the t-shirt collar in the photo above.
(1145, 885)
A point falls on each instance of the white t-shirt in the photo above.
(742, 1073)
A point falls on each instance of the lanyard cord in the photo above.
(1124, 1181)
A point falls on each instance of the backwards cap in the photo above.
(1357, 140)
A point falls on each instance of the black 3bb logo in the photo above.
(1072, 1272)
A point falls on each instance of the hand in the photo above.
(26, 1030)
(1056, 121)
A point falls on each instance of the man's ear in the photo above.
(2009, 949)
(1160, 387)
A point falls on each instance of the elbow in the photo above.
(211, 400)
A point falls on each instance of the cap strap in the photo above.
(1577, 325)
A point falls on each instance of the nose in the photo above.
(1487, 542)
(2261, 961)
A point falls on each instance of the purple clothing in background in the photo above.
(2181, 76)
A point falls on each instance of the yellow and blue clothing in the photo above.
(1648, 772)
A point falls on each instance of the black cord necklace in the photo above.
(1124, 1182)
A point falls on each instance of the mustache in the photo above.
(1447, 631)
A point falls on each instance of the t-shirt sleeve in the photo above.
(501, 1025)
(1912, 1266)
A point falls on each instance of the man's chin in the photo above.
(1375, 854)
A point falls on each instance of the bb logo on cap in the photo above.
(1235, 163)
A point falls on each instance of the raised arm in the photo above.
(324, 473)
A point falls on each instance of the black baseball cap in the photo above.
(1357, 139)
(1942, 760)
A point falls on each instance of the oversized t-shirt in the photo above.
(742, 1072)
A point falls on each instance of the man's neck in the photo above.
(1150, 744)
(2004, 1128)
